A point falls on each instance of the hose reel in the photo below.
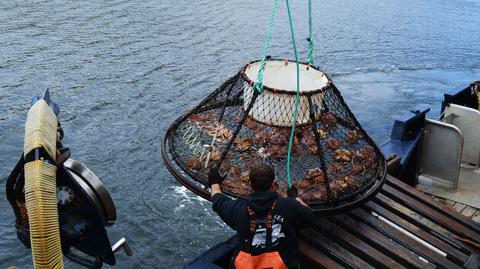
(61, 207)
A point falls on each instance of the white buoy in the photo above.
(276, 105)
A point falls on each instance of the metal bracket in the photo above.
(122, 243)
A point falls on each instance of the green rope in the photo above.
(310, 38)
(297, 97)
(259, 85)
(268, 37)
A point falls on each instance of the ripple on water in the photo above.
(122, 71)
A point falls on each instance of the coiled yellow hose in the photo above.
(40, 188)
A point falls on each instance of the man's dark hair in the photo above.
(261, 177)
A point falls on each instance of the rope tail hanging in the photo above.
(297, 97)
(259, 85)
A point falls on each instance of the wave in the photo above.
(393, 68)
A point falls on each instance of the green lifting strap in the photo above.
(259, 84)
(310, 38)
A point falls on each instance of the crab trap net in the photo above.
(334, 164)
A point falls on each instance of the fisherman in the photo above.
(267, 225)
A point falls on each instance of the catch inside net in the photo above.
(334, 163)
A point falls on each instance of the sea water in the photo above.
(122, 71)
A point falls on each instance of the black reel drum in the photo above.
(84, 206)
(334, 163)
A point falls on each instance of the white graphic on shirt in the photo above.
(260, 238)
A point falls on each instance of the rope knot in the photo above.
(259, 87)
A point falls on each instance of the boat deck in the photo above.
(464, 200)
(466, 193)
(400, 228)
(470, 212)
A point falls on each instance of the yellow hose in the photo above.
(41, 129)
(40, 188)
(41, 202)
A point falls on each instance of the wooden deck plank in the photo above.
(428, 202)
(468, 211)
(476, 216)
(419, 221)
(381, 242)
(432, 214)
(444, 202)
(404, 240)
(458, 207)
(355, 245)
(449, 203)
(311, 257)
(453, 253)
(341, 256)
(358, 239)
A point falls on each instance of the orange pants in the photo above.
(269, 260)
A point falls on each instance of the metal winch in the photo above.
(59, 204)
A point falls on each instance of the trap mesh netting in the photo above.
(334, 164)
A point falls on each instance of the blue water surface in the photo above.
(122, 71)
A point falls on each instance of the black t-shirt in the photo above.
(289, 217)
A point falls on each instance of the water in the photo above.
(122, 71)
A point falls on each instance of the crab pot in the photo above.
(334, 163)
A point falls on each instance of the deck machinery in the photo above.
(60, 206)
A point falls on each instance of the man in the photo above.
(266, 224)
